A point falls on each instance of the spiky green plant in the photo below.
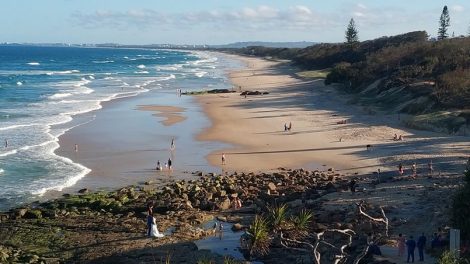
(258, 236)
(277, 216)
(204, 260)
(302, 220)
(230, 260)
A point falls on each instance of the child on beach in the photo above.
(159, 166)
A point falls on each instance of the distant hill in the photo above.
(238, 45)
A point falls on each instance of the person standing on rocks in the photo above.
(411, 245)
(149, 218)
(421, 244)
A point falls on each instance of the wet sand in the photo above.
(122, 144)
(171, 114)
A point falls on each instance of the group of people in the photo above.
(398, 138)
(410, 244)
(414, 170)
(152, 229)
(169, 163)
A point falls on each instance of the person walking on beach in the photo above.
(411, 245)
(6, 143)
(430, 168)
(169, 164)
(421, 244)
(223, 158)
(413, 169)
(172, 145)
(285, 126)
(401, 245)
(76, 147)
(290, 126)
(159, 166)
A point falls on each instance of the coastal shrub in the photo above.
(300, 224)
(408, 60)
(449, 257)
(461, 208)
(258, 236)
(277, 216)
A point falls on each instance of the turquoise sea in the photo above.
(43, 88)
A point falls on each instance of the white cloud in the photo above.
(260, 17)
(457, 8)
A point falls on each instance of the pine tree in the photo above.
(351, 33)
(444, 23)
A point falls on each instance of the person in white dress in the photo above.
(154, 230)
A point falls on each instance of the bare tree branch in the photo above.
(383, 220)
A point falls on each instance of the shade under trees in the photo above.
(352, 33)
(444, 23)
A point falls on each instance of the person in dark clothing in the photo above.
(149, 217)
(352, 185)
(411, 245)
(421, 244)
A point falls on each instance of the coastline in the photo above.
(185, 202)
(255, 127)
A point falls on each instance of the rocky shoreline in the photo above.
(109, 227)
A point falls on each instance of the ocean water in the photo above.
(43, 88)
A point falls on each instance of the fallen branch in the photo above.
(383, 220)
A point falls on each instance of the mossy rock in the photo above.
(33, 214)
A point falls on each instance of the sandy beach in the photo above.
(326, 128)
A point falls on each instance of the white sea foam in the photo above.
(33, 63)
(8, 153)
(59, 95)
(62, 72)
(141, 66)
(141, 72)
(15, 126)
(200, 74)
(1, 171)
(19, 83)
(91, 77)
(105, 61)
(166, 78)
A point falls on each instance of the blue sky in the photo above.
(219, 21)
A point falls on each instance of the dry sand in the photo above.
(255, 127)
(172, 114)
